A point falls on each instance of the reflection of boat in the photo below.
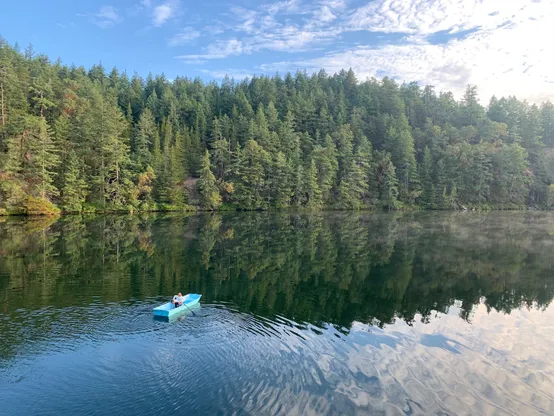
(168, 310)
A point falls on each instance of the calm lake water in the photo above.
(331, 313)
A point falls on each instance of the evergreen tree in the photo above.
(313, 193)
(251, 177)
(299, 191)
(144, 139)
(275, 142)
(31, 161)
(74, 191)
(327, 166)
(353, 190)
(427, 184)
(400, 144)
(207, 186)
(280, 191)
(387, 183)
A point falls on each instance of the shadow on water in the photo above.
(344, 312)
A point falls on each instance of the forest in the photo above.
(76, 140)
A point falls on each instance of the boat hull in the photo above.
(168, 310)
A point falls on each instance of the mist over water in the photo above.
(328, 313)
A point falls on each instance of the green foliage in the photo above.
(313, 193)
(207, 186)
(144, 139)
(387, 182)
(91, 141)
(327, 166)
(550, 196)
(400, 144)
(322, 267)
(31, 160)
(428, 186)
(39, 206)
(75, 189)
(251, 177)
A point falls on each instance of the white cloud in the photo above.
(247, 20)
(498, 61)
(231, 73)
(108, 13)
(164, 12)
(325, 15)
(105, 18)
(184, 37)
(264, 30)
(213, 29)
(285, 7)
(431, 16)
(334, 4)
(285, 39)
(218, 50)
(65, 25)
(503, 47)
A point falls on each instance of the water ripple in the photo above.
(118, 356)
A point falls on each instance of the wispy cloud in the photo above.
(185, 36)
(325, 15)
(105, 18)
(285, 7)
(286, 39)
(264, 29)
(503, 47)
(231, 73)
(431, 16)
(164, 12)
(495, 60)
(65, 25)
(218, 50)
(213, 29)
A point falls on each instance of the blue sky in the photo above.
(505, 47)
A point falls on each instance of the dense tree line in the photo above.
(84, 141)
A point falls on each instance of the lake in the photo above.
(323, 313)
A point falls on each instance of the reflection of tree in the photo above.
(323, 267)
(209, 233)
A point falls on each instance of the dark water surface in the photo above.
(331, 313)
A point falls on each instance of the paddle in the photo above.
(184, 304)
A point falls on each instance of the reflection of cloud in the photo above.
(440, 341)
(504, 364)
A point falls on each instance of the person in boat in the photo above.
(178, 300)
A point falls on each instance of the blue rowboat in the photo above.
(167, 310)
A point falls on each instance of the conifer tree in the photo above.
(210, 198)
(145, 136)
(428, 187)
(74, 190)
(313, 193)
(387, 182)
(139, 143)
